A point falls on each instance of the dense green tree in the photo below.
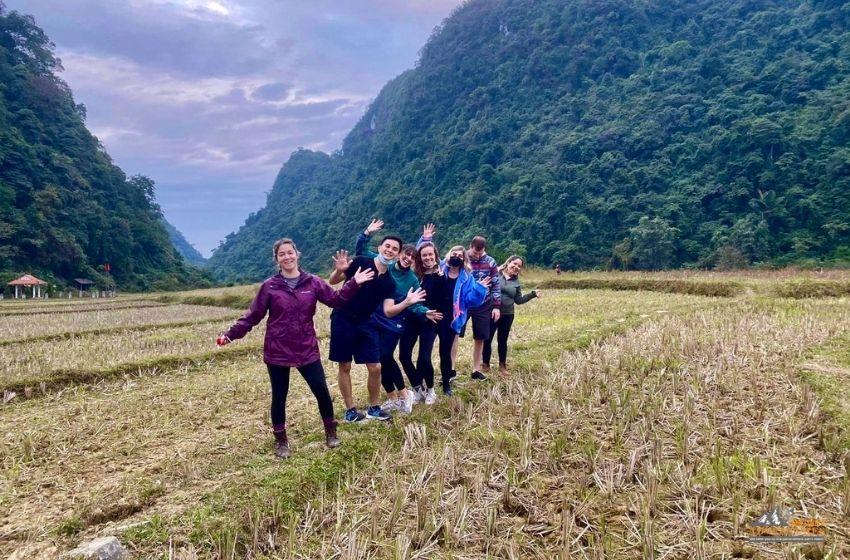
(65, 208)
(557, 125)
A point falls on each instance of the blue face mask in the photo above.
(385, 262)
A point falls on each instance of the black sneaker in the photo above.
(478, 376)
(452, 376)
(447, 391)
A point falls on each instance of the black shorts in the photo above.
(480, 318)
(351, 340)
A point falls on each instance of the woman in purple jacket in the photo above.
(289, 298)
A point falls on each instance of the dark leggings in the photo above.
(447, 337)
(314, 375)
(503, 327)
(391, 377)
(426, 333)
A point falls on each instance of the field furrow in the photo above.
(19, 327)
(632, 425)
(87, 358)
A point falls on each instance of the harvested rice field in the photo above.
(633, 423)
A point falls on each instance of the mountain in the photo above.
(593, 133)
(65, 208)
(186, 249)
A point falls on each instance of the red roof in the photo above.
(27, 280)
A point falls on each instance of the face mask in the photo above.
(385, 262)
(455, 261)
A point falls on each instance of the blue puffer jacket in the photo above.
(468, 293)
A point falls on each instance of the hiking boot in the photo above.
(375, 413)
(354, 415)
(485, 368)
(478, 376)
(281, 449)
(503, 369)
(391, 404)
(281, 446)
(330, 433)
(430, 397)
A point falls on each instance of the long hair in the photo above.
(510, 259)
(462, 249)
(420, 267)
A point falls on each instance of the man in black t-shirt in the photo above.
(354, 332)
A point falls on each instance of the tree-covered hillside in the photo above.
(594, 133)
(65, 208)
(186, 249)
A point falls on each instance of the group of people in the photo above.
(394, 297)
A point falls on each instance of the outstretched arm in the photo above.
(391, 309)
(519, 298)
(243, 325)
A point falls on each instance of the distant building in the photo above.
(21, 283)
(83, 284)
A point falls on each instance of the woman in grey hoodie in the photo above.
(511, 294)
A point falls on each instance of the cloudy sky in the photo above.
(209, 97)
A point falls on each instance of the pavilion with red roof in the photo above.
(28, 280)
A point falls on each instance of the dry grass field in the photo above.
(644, 416)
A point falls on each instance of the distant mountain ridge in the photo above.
(614, 133)
(65, 209)
(186, 249)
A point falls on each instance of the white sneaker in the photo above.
(391, 404)
(430, 396)
(405, 404)
(418, 395)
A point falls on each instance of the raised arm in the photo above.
(361, 247)
(428, 232)
(333, 298)
(341, 264)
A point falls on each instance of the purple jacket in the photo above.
(290, 335)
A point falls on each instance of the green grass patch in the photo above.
(827, 372)
(807, 288)
(718, 288)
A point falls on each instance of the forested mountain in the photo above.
(65, 208)
(186, 249)
(594, 133)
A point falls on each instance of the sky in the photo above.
(210, 97)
